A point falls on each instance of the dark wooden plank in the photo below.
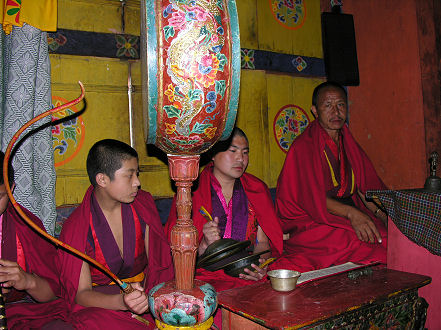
(428, 24)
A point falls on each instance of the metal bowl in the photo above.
(237, 267)
(283, 279)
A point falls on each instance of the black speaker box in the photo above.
(339, 48)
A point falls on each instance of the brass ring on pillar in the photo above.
(202, 326)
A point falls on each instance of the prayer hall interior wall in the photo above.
(395, 112)
(106, 80)
(282, 62)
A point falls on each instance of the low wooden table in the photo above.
(384, 298)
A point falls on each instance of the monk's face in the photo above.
(4, 199)
(231, 164)
(125, 184)
(331, 110)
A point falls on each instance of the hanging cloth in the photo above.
(41, 14)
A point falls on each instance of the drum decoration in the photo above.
(190, 53)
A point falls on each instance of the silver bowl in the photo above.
(283, 279)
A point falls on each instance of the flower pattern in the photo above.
(55, 43)
(299, 63)
(205, 70)
(169, 128)
(13, 8)
(126, 45)
(210, 131)
(56, 128)
(68, 132)
(177, 20)
(289, 13)
(247, 58)
(194, 83)
(289, 123)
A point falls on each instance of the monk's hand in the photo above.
(13, 276)
(137, 301)
(254, 274)
(364, 227)
(211, 231)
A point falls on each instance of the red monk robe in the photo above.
(75, 233)
(36, 255)
(319, 239)
(260, 202)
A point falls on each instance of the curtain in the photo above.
(25, 92)
(41, 14)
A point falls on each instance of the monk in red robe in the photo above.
(27, 267)
(118, 225)
(320, 192)
(241, 206)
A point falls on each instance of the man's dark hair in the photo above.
(325, 85)
(222, 146)
(10, 170)
(106, 156)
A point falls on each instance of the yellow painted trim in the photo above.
(137, 278)
(202, 326)
(334, 181)
(353, 181)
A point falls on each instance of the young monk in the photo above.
(241, 206)
(118, 225)
(27, 266)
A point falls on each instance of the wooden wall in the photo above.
(269, 81)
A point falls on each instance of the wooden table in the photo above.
(382, 299)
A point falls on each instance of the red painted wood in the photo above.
(386, 110)
(318, 300)
(417, 259)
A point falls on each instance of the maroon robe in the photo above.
(319, 239)
(40, 258)
(260, 199)
(74, 233)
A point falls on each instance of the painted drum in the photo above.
(190, 53)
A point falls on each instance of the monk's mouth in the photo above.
(337, 120)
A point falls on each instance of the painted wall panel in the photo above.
(247, 13)
(282, 91)
(106, 116)
(251, 118)
(303, 38)
(98, 15)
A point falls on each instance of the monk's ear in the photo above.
(314, 111)
(101, 179)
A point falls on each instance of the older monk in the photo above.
(320, 192)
